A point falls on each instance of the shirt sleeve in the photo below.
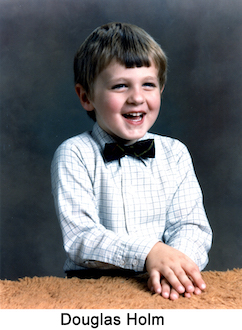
(87, 242)
(187, 227)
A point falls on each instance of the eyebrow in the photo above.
(114, 80)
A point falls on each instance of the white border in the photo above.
(29, 319)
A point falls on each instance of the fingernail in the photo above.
(190, 288)
(203, 286)
(180, 289)
(174, 296)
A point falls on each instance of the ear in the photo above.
(83, 97)
(162, 89)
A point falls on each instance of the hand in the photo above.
(172, 273)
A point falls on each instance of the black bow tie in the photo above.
(140, 149)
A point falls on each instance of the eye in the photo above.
(149, 85)
(119, 86)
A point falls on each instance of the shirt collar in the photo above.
(100, 136)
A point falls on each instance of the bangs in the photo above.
(131, 50)
(120, 43)
(132, 59)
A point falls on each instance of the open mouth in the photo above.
(134, 116)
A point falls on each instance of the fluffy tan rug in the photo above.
(224, 291)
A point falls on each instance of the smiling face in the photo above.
(126, 100)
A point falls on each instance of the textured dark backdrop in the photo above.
(39, 109)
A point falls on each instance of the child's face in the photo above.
(127, 100)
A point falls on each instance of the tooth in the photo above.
(135, 114)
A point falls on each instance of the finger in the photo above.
(197, 291)
(184, 280)
(172, 278)
(154, 281)
(196, 277)
(174, 294)
(165, 288)
(187, 294)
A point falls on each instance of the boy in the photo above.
(124, 205)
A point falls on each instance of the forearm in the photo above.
(191, 233)
(98, 245)
(187, 227)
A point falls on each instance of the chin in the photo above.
(131, 139)
(137, 135)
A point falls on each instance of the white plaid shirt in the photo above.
(112, 214)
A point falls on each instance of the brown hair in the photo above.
(128, 44)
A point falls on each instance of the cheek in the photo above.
(155, 103)
(158, 101)
(112, 105)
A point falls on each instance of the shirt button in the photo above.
(135, 263)
(122, 263)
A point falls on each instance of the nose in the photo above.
(136, 96)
